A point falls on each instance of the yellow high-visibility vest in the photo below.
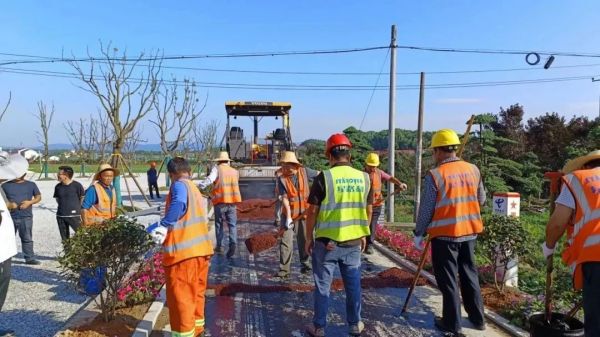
(343, 211)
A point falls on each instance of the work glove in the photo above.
(158, 232)
(289, 223)
(418, 242)
(547, 251)
(403, 187)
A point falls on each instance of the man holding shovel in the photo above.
(577, 211)
(450, 214)
(293, 189)
(377, 177)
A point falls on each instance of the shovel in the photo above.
(417, 274)
(548, 295)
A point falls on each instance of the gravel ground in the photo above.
(40, 300)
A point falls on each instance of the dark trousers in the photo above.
(450, 259)
(65, 222)
(4, 280)
(591, 298)
(155, 186)
(373, 224)
(24, 227)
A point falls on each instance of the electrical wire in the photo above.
(374, 89)
(499, 51)
(298, 87)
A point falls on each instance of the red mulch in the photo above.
(256, 209)
(260, 242)
(123, 325)
(389, 278)
(500, 301)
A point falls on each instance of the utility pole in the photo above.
(392, 125)
(596, 80)
(419, 153)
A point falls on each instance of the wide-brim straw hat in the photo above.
(579, 162)
(223, 156)
(106, 167)
(289, 157)
(12, 166)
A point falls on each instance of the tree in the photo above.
(509, 125)
(132, 142)
(360, 146)
(311, 153)
(104, 134)
(126, 95)
(174, 116)
(126, 89)
(82, 137)
(3, 111)
(45, 118)
(549, 136)
(204, 141)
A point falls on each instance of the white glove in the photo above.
(403, 187)
(289, 223)
(547, 251)
(418, 242)
(158, 232)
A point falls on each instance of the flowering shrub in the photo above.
(402, 243)
(145, 284)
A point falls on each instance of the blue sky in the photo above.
(202, 27)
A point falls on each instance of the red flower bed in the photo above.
(145, 284)
(401, 243)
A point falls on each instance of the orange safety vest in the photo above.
(375, 177)
(297, 196)
(104, 209)
(583, 234)
(457, 211)
(188, 237)
(226, 189)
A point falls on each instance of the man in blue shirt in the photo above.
(153, 180)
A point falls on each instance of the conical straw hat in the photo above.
(289, 157)
(223, 156)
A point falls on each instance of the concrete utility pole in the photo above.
(392, 124)
(419, 154)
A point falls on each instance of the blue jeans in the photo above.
(24, 227)
(324, 263)
(227, 212)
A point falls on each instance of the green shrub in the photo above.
(503, 239)
(117, 245)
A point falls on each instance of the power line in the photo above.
(191, 57)
(324, 87)
(373, 91)
(499, 51)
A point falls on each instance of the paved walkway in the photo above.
(286, 313)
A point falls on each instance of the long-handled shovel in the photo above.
(573, 311)
(414, 282)
(548, 295)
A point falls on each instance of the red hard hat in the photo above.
(153, 164)
(338, 139)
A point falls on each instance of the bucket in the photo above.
(539, 328)
(92, 280)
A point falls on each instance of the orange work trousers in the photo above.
(186, 286)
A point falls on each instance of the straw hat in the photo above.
(12, 166)
(223, 156)
(105, 167)
(577, 163)
(289, 157)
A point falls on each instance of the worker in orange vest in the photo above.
(577, 212)
(293, 188)
(278, 201)
(450, 215)
(187, 250)
(224, 196)
(100, 200)
(377, 177)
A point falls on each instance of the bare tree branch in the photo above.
(176, 115)
(118, 88)
(45, 118)
(6, 106)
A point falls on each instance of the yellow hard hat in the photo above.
(444, 137)
(372, 159)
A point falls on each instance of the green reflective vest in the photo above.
(343, 212)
